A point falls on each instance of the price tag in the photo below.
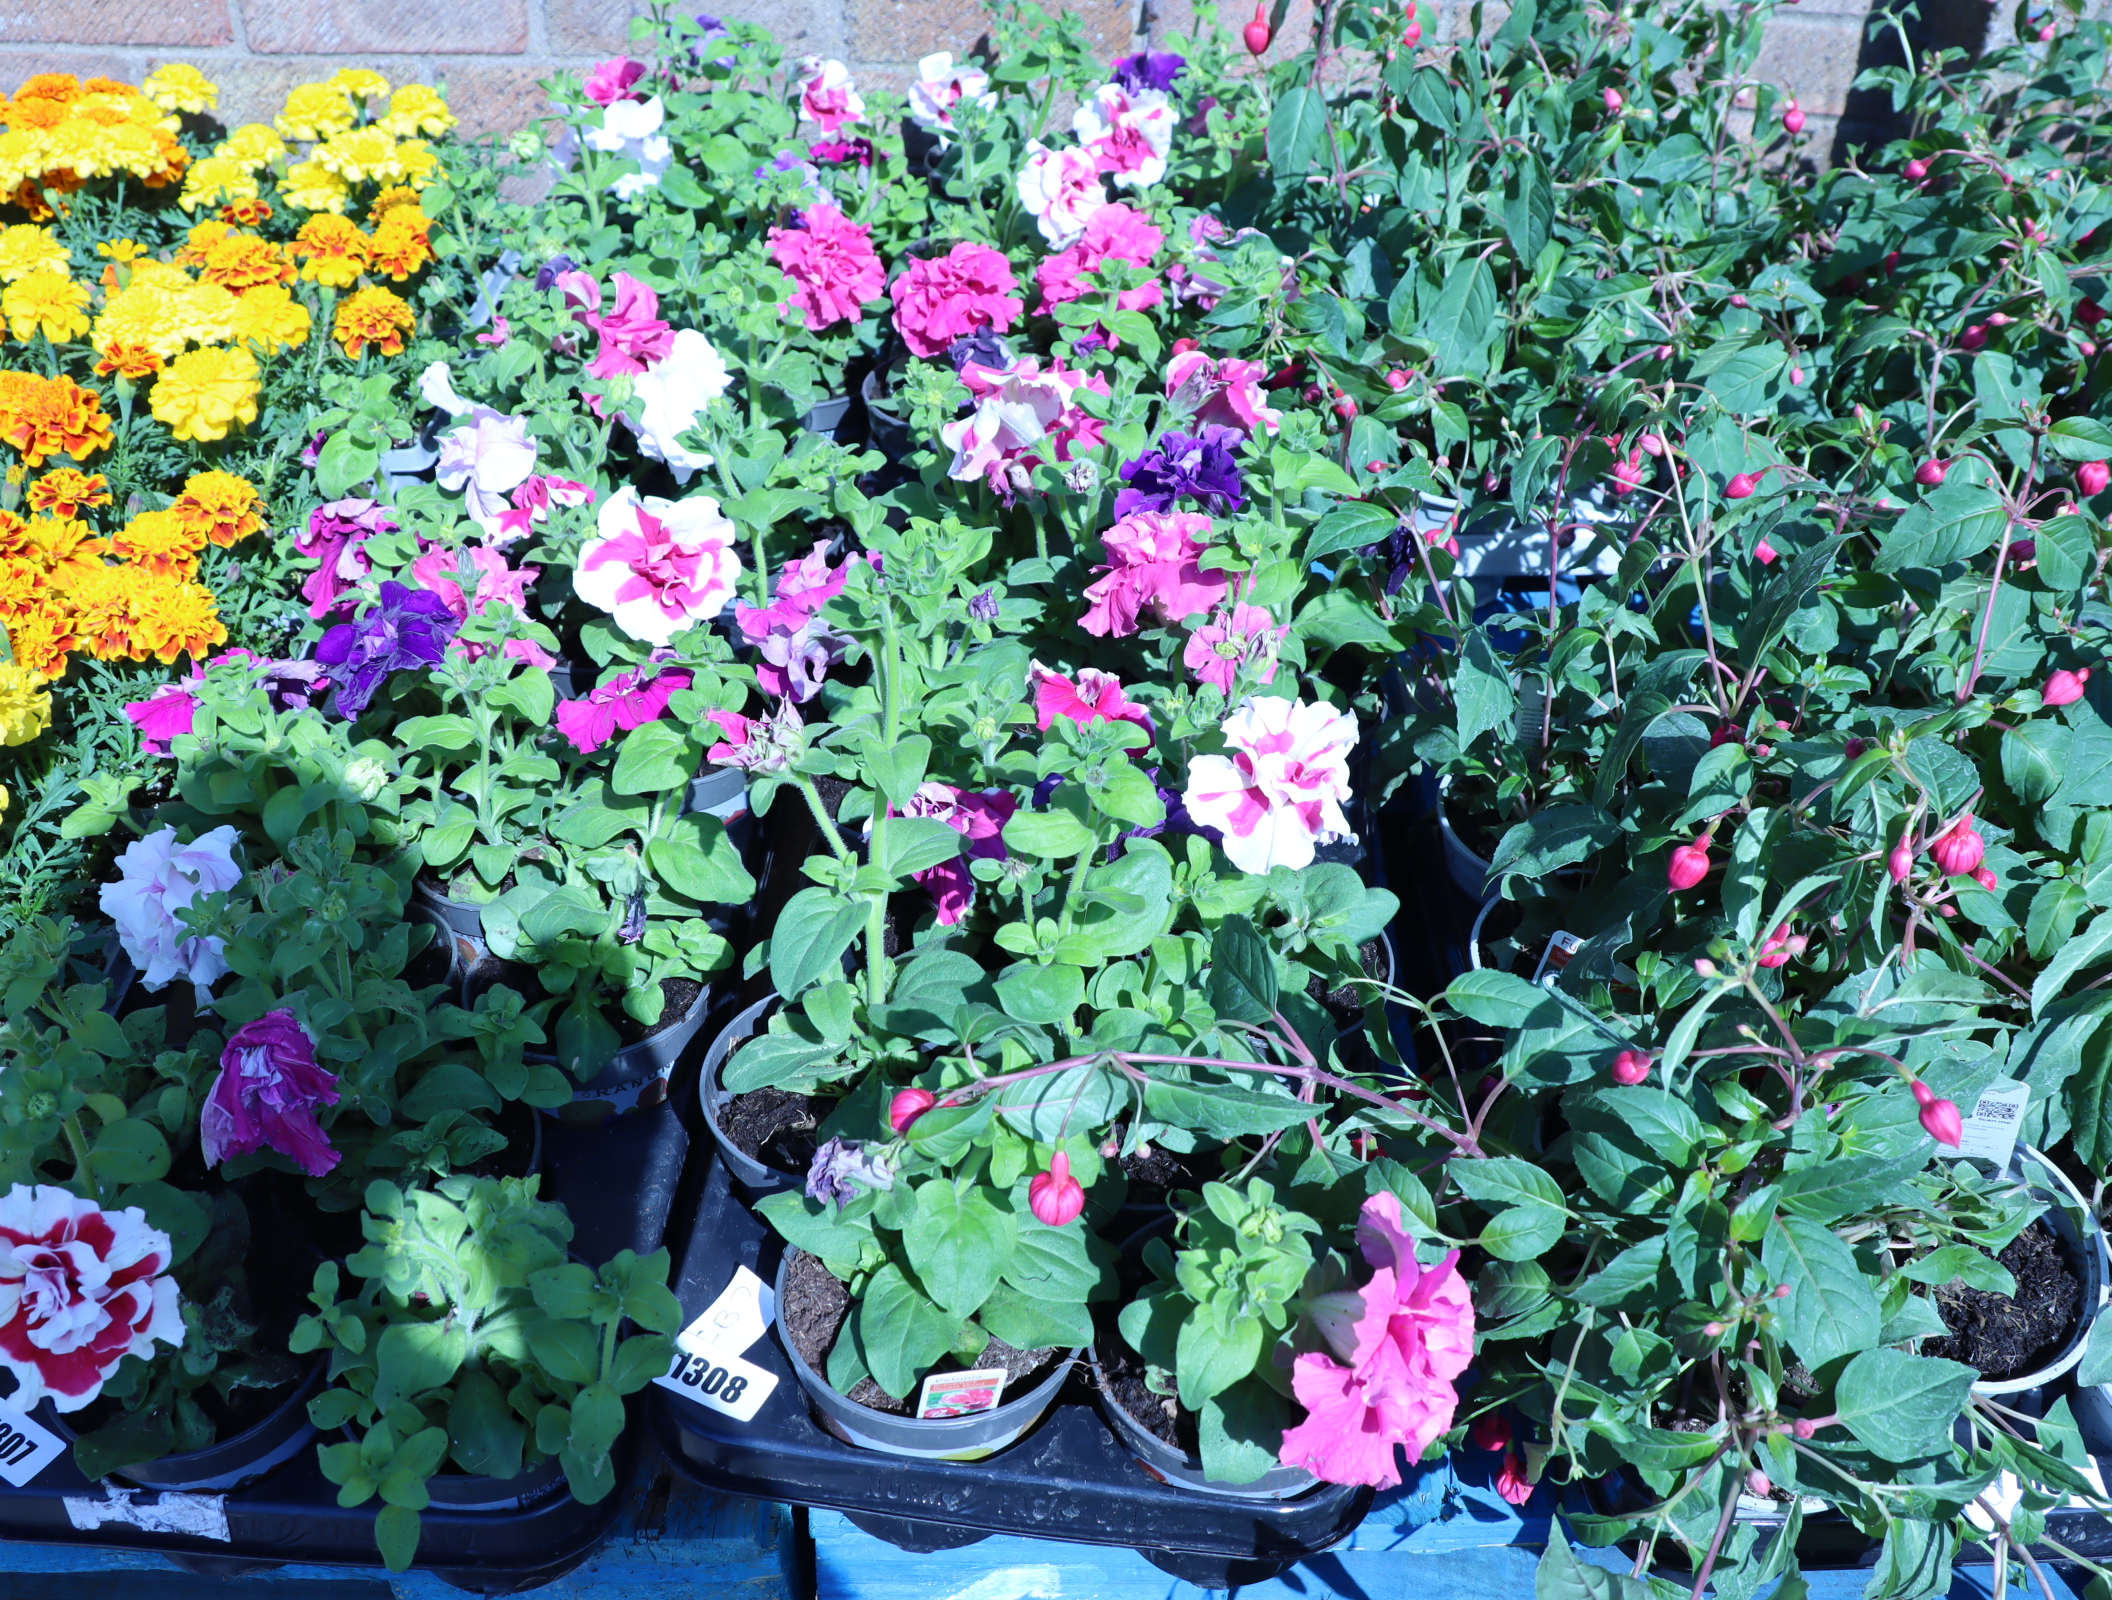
(708, 1367)
(26, 1447)
(1991, 1131)
(725, 1384)
(1561, 946)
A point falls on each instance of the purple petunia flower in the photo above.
(547, 275)
(409, 628)
(984, 607)
(985, 347)
(1198, 466)
(844, 1168)
(267, 1094)
(1155, 69)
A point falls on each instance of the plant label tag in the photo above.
(1560, 947)
(1991, 1131)
(722, 1383)
(741, 1315)
(961, 1394)
(26, 1448)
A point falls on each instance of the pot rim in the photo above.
(1297, 1481)
(709, 1091)
(168, 1472)
(2096, 1263)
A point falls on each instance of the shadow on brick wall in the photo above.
(1868, 121)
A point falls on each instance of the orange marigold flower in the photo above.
(243, 261)
(393, 198)
(24, 587)
(203, 236)
(50, 417)
(247, 213)
(35, 111)
(99, 611)
(68, 549)
(374, 316)
(41, 639)
(67, 490)
(134, 361)
(219, 507)
(332, 250)
(175, 162)
(173, 619)
(61, 86)
(402, 244)
(14, 535)
(160, 542)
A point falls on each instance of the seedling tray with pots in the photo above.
(1070, 1478)
(619, 1182)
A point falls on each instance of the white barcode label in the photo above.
(725, 1384)
(26, 1446)
(1991, 1131)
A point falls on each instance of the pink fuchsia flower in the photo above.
(1628, 475)
(948, 297)
(632, 334)
(170, 710)
(1061, 190)
(1765, 553)
(1781, 946)
(659, 567)
(267, 1094)
(1511, 1481)
(1055, 1197)
(336, 538)
(157, 878)
(81, 1288)
(611, 80)
(1155, 565)
(1094, 696)
(485, 459)
(907, 1106)
(1115, 233)
(1939, 1117)
(1277, 794)
(830, 260)
(1689, 864)
(1245, 637)
(1225, 393)
(1016, 408)
(1932, 472)
(1959, 848)
(628, 700)
(941, 88)
(1128, 133)
(2063, 688)
(1405, 1336)
(532, 503)
(2091, 478)
(979, 818)
(1631, 1067)
(670, 396)
(758, 744)
(827, 97)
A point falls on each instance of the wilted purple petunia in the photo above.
(1153, 69)
(843, 1168)
(409, 628)
(267, 1093)
(1198, 466)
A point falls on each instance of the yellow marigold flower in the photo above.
(332, 251)
(311, 186)
(242, 261)
(420, 165)
(172, 619)
(418, 108)
(99, 611)
(25, 709)
(401, 244)
(362, 83)
(175, 161)
(208, 313)
(26, 248)
(158, 542)
(205, 395)
(364, 155)
(393, 198)
(373, 316)
(217, 180)
(88, 151)
(118, 250)
(163, 274)
(67, 490)
(220, 507)
(132, 361)
(180, 87)
(67, 549)
(41, 639)
(271, 319)
(47, 301)
(247, 213)
(202, 237)
(44, 417)
(253, 145)
(14, 536)
(146, 314)
(21, 157)
(315, 111)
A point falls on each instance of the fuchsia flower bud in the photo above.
(1959, 848)
(2092, 476)
(1256, 33)
(1901, 863)
(1664, 352)
(1742, 486)
(1855, 747)
(1712, 1330)
(1740, 301)
(1780, 946)
(1932, 472)
(2064, 688)
(1414, 34)
(1689, 864)
(1781, 1291)
(1796, 373)
(1492, 1432)
(1613, 99)
(1055, 1196)
(1974, 337)
(1631, 1067)
(1804, 1428)
(1756, 1481)
(1986, 878)
(1793, 119)
(1765, 553)
(1396, 380)
(1916, 170)
(1653, 445)
(907, 1106)
(2089, 313)
(1939, 1117)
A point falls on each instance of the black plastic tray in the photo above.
(619, 1181)
(1069, 1478)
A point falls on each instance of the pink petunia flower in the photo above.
(611, 80)
(1248, 636)
(500, 333)
(531, 505)
(1277, 794)
(758, 744)
(628, 700)
(941, 299)
(1016, 408)
(170, 710)
(437, 569)
(1225, 393)
(1405, 1336)
(485, 458)
(632, 335)
(1094, 696)
(827, 97)
(794, 646)
(1115, 233)
(1127, 133)
(830, 259)
(658, 567)
(1155, 565)
(336, 536)
(1061, 190)
(979, 818)
(941, 87)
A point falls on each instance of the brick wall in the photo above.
(490, 53)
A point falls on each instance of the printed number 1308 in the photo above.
(694, 1372)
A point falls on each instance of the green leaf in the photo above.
(1221, 1113)
(1831, 1310)
(901, 1333)
(1029, 1322)
(697, 860)
(597, 1418)
(1242, 973)
(1961, 517)
(916, 843)
(1499, 999)
(1483, 697)
(485, 1435)
(959, 1243)
(413, 1357)
(1297, 135)
(1051, 835)
(395, 1527)
(809, 938)
(1506, 1181)
(1524, 1232)
(1901, 1406)
(1049, 994)
(1350, 527)
(2072, 958)
(1556, 837)
(1218, 1344)
(2096, 1366)
(131, 1151)
(2080, 439)
(1528, 207)
(1562, 1576)
(1462, 320)
(658, 758)
(342, 465)
(568, 1351)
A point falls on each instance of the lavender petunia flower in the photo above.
(547, 275)
(841, 1167)
(1155, 69)
(985, 347)
(409, 628)
(267, 1094)
(1197, 466)
(984, 607)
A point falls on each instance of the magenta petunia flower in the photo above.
(336, 538)
(632, 335)
(267, 1094)
(830, 260)
(1226, 394)
(1247, 636)
(979, 818)
(945, 298)
(1155, 566)
(167, 712)
(628, 700)
(1094, 696)
(795, 647)
(611, 80)
(1113, 233)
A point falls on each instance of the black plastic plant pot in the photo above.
(1068, 1478)
(224, 1464)
(640, 1076)
(752, 1177)
(1172, 1465)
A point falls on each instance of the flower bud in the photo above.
(1055, 1197)
(1941, 1119)
(1704, 967)
(1756, 1481)
(2023, 551)
(1804, 1428)
(1631, 1067)
(1414, 34)
(907, 1106)
(1959, 848)
(1653, 445)
(2046, 34)
(2092, 476)
(1796, 373)
(1765, 553)
(1855, 747)
(1901, 863)
(1740, 301)
(1664, 352)
(1774, 950)
(1916, 170)
(1396, 380)
(1781, 1291)
(2064, 688)
(1182, 346)
(1931, 472)
(1985, 877)
(1793, 120)
(1689, 864)
(1713, 1330)
(1973, 338)
(1345, 408)
(1492, 1432)
(1613, 100)
(1256, 33)
(2089, 313)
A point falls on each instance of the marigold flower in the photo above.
(172, 619)
(133, 362)
(313, 187)
(360, 155)
(157, 542)
(271, 319)
(69, 551)
(315, 111)
(42, 640)
(401, 244)
(201, 238)
(14, 535)
(25, 587)
(253, 145)
(332, 251)
(67, 490)
(373, 316)
(420, 165)
(217, 180)
(25, 709)
(44, 417)
(27, 248)
(243, 261)
(247, 213)
(48, 302)
(179, 86)
(362, 83)
(203, 396)
(219, 507)
(395, 196)
(417, 108)
(118, 250)
(98, 604)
